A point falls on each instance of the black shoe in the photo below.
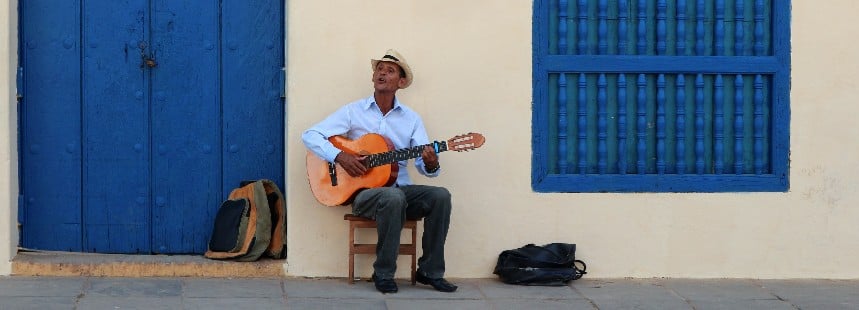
(385, 285)
(439, 284)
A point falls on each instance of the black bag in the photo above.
(553, 264)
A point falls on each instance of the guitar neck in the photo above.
(393, 156)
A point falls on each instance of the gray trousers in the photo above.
(390, 207)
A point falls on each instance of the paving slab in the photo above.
(233, 303)
(41, 303)
(497, 289)
(718, 290)
(338, 303)
(725, 294)
(232, 288)
(816, 294)
(125, 302)
(421, 304)
(629, 294)
(134, 287)
(326, 288)
(744, 305)
(542, 304)
(41, 286)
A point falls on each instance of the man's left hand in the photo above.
(430, 158)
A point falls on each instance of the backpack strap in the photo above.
(260, 219)
(578, 273)
(277, 247)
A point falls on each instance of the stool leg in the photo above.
(415, 254)
(351, 253)
(351, 268)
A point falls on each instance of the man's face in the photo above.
(386, 77)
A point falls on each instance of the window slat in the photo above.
(739, 125)
(562, 123)
(699, 124)
(602, 124)
(660, 125)
(621, 124)
(681, 124)
(623, 27)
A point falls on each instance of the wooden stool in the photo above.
(356, 222)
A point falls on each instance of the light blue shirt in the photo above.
(402, 125)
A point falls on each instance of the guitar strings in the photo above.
(378, 159)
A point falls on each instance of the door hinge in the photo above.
(282, 78)
(20, 209)
(19, 81)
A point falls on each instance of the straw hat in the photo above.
(392, 56)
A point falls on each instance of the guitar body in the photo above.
(347, 186)
(380, 157)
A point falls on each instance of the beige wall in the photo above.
(472, 61)
(8, 137)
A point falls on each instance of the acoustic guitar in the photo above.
(333, 186)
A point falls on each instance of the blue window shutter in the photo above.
(661, 96)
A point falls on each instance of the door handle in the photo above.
(150, 62)
(146, 60)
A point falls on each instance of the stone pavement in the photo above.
(27, 292)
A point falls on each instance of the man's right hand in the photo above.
(353, 165)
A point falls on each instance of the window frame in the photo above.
(777, 65)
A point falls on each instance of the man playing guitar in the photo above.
(382, 113)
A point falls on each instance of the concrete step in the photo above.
(50, 263)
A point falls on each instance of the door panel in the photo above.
(116, 127)
(253, 107)
(51, 125)
(186, 124)
(123, 157)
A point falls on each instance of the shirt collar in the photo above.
(371, 101)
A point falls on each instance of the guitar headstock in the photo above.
(465, 142)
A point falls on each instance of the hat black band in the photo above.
(391, 57)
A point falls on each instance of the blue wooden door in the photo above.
(139, 116)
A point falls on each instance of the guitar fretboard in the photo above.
(378, 159)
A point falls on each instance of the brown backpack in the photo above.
(250, 223)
